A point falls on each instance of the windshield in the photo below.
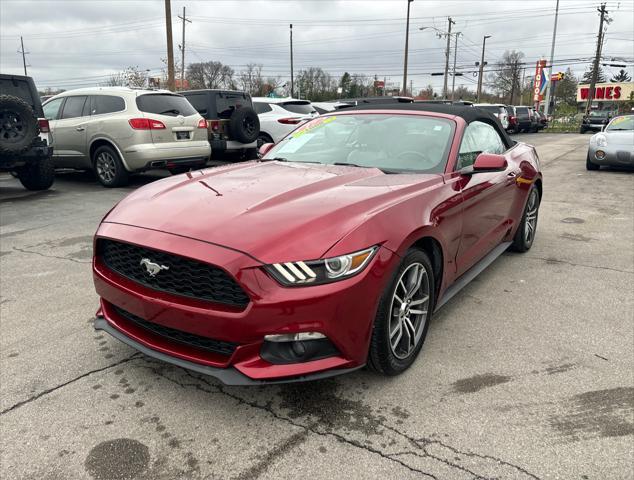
(598, 113)
(393, 143)
(622, 123)
(494, 109)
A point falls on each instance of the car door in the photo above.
(70, 133)
(488, 197)
(52, 109)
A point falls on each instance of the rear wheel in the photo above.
(264, 138)
(38, 175)
(108, 167)
(403, 316)
(525, 234)
(590, 165)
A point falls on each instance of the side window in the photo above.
(106, 104)
(51, 109)
(261, 107)
(73, 107)
(478, 138)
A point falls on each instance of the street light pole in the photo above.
(453, 80)
(406, 50)
(444, 87)
(481, 73)
(552, 59)
(292, 89)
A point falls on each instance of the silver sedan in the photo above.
(614, 146)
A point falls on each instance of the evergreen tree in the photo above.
(587, 76)
(622, 76)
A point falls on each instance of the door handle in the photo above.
(511, 174)
(80, 129)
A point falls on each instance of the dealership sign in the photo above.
(607, 92)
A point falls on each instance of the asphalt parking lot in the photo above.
(528, 373)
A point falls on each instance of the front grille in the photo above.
(623, 156)
(181, 276)
(204, 343)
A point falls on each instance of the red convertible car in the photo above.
(328, 254)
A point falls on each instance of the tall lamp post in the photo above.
(406, 50)
(481, 73)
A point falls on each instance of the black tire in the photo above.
(38, 175)
(108, 167)
(18, 125)
(251, 154)
(179, 170)
(522, 242)
(244, 125)
(590, 165)
(264, 138)
(381, 357)
(582, 130)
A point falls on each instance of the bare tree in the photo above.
(210, 75)
(315, 84)
(130, 77)
(251, 81)
(506, 77)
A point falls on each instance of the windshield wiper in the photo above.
(171, 110)
(346, 164)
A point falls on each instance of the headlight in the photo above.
(601, 140)
(317, 272)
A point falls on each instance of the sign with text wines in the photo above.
(607, 92)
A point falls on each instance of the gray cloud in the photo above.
(78, 43)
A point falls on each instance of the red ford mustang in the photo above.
(328, 254)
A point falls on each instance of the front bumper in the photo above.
(595, 127)
(343, 311)
(615, 155)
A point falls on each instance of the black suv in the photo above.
(595, 121)
(232, 123)
(25, 141)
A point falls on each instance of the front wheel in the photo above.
(590, 165)
(403, 316)
(109, 168)
(525, 234)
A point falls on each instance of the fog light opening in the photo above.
(296, 348)
(599, 155)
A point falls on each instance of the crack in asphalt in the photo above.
(422, 444)
(219, 388)
(52, 256)
(62, 385)
(557, 158)
(598, 267)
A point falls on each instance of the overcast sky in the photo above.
(81, 42)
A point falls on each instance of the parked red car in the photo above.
(329, 253)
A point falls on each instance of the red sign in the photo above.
(379, 84)
(540, 83)
(602, 93)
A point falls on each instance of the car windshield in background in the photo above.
(598, 113)
(621, 123)
(521, 110)
(392, 143)
(165, 104)
(302, 108)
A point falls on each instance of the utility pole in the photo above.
(444, 88)
(23, 54)
(595, 71)
(292, 90)
(552, 60)
(406, 50)
(481, 73)
(170, 46)
(182, 46)
(455, 52)
(411, 88)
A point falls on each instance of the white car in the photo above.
(280, 116)
(497, 109)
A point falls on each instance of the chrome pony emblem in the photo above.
(151, 268)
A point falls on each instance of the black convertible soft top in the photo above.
(469, 114)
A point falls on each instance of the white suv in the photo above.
(280, 116)
(118, 130)
(497, 109)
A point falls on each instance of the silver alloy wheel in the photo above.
(409, 310)
(106, 167)
(530, 224)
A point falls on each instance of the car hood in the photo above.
(272, 211)
(620, 138)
